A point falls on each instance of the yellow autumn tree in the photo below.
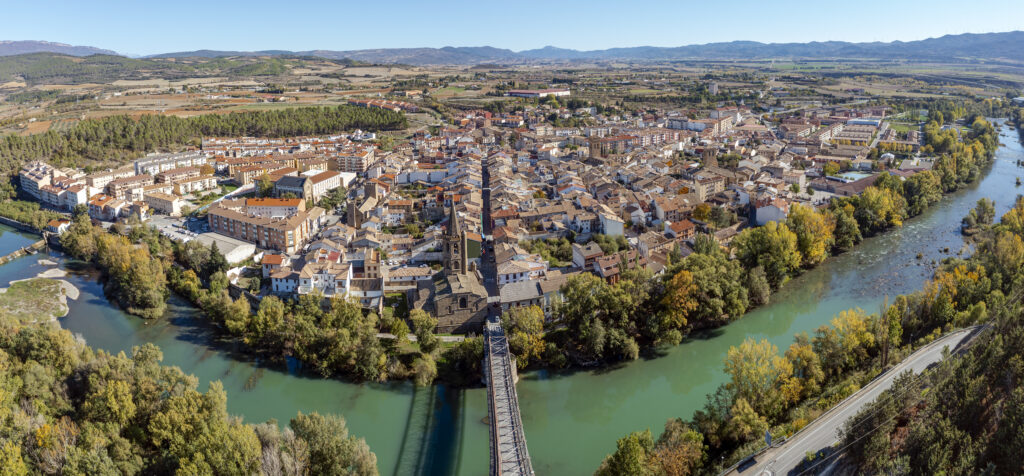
(679, 299)
(758, 373)
(813, 233)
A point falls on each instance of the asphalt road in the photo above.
(824, 431)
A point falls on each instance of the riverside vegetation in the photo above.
(142, 267)
(781, 393)
(596, 322)
(67, 409)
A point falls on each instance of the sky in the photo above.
(141, 27)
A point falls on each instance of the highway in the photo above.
(823, 432)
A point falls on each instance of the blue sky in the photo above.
(146, 27)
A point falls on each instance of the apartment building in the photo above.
(179, 174)
(36, 175)
(99, 180)
(355, 162)
(274, 207)
(165, 203)
(187, 186)
(287, 234)
(129, 188)
(155, 163)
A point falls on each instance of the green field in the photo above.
(903, 127)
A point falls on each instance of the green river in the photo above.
(571, 419)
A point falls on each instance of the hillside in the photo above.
(990, 46)
(55, 68)
(8, 48)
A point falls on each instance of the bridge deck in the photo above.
(509, 455)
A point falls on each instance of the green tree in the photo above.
(424, 324)
(525, 329)
(773, 247)
(847, 231)
(631, 456)
(331, 449)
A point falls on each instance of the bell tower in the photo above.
(455, 260)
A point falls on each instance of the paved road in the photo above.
(881, 130)
(823, 432)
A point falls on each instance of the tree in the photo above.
(830, 168)
(773, 247)
(268, 319)
(758, 287)
(847, 231)
(678, 300)
(216, 262)
(702, 212)
(631, 456)
(877, 209)
(237, 316)
(331, 449)
(719, 288)
(11, 462)
(424, 370)
(921, 190)
(525, 329)
(264, 186)
(744, 422)
(424, 325)
(813, 233)
(680, 449)
(757, 374)
(806, 365)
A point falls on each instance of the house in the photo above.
(583, 256)
(58, 226)
(683, 229)
(770, 209)
(273, 262)
(284, 281)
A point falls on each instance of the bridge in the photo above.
(508, 442)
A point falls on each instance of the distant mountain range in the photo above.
(10, 48)
(1007, 46)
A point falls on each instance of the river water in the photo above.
(571, 419)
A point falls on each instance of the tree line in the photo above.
(28, 213)
(965, 417)
(331, 337)
(118, 139)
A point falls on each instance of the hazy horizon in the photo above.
(134, 30)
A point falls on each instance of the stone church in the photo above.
(455, 296)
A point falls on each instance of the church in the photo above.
(455, 295)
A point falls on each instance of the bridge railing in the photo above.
(507, 409)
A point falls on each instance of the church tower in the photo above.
(455, 260)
